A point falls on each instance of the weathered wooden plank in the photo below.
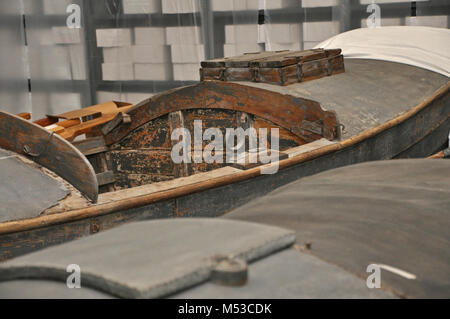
(154, 135)
(128, 180)
(312, 70)
(91, 146)
(286, 138)
(168, 185)
(103, 162)
(119, 118)
(243, 61)
(333, 52)
(217, 74)
(102, 109)
(295, 151)
(239, 74)
(96, 150)
(156, 162)
(46, 121)
(105, 178)
(49, 150)
(288, 58)
(176, 120)
(252, 158)
(281, 76)
(214, 63)
(336, 64)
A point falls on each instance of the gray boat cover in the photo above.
(395, 214)
(25, 190)
(392, 214)
(149, 259)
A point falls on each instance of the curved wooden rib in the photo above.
(304, 118)
(50, 151)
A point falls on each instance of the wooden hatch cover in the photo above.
(49, 150)
(275, 67)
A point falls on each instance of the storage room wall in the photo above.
(128, 50)
(14, 93)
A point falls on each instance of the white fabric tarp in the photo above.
(424, 47)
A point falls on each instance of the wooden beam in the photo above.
(119, 118)
(176, 120)
(91, 146)
(105, 178)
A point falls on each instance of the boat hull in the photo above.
(417, 133)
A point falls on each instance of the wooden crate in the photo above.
(275, 67)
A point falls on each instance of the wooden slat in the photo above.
(104, 108)
(91, 146)
(119, 118)
(26, 115)
(105, 178)
(239, 74)
(46, 121)
(208, 73)
(295, 151)
(243, 61)
(316, 69)
(288, 58)
(104, 168)
(333, 52)
(176, 120)
(246, 156)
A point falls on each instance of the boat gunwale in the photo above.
(147, 199)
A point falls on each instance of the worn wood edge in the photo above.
(103, 209)
(93, 196)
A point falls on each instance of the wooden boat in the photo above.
(350, 232)
(374, 110)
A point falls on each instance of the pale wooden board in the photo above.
(295, 151)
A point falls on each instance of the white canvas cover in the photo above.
(424, 47)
